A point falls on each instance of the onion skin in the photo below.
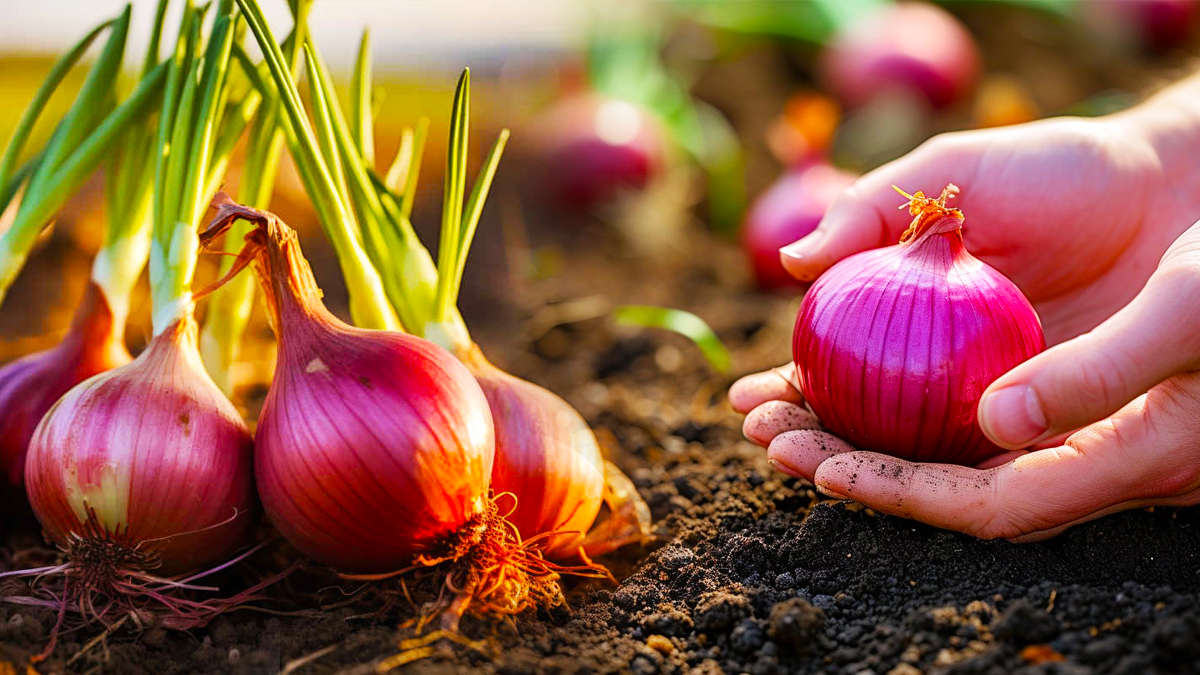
(546, 455)
(895, 346)
(156, 452)
(29, 386)
(788, 210)
(910, 45)
(592, 148)
(373, 447)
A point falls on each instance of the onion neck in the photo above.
(96, 326)
(932, 216)
(288, 284)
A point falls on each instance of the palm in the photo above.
(1059, 206)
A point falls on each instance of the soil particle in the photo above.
(1024, 624)
(796, 624)
(718, 612)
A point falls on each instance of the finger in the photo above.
(772, 418)
(1135, 458)
(777, 384)
(866, 215)
(1086, 379)
(1000, 460)
(799, 453)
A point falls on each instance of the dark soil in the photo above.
(751, 571)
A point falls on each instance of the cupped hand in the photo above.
(1078, 214)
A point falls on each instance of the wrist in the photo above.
(1169, 122)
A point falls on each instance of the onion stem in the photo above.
(369, 305)
(183, 175)
(129, 182)
(230, 307)
(81, 140)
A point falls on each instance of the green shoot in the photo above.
(47, 189)
(369, 304)
(230, 306)
(361, 122)
(677, 320)
(30, 117)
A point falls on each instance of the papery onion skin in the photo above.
(911, 45)
(156, 451)
(373, 447)
(546, 455)
(895, 346)
(592, 147)
(788, 210)
(30, 385)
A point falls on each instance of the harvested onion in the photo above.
(31, 385)
(788, 210)
(147, 465)
(910, 45)
(894, 346)
(375, 448)
(546, 455)
(593, 147)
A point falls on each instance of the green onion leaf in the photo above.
(30, 117)
(685, 323)
(361, 122)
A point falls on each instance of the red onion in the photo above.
(546, 456)
(908, 45)
(1157, 25)
(788, 210)
(895, 346)
(30, 385)
(147, 466)
(593, 147)
(374, 448)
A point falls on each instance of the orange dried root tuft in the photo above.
(485, 569)
(927, 210)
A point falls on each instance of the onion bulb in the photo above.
(910, 45)
(147, 466)
(546, 456)
(374, 448)
(593, 147)
(788, 210)
(894, 346)
(1155, 25)
(31, 385)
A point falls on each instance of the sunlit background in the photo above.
(691, 109)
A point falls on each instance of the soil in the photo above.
(750, 571)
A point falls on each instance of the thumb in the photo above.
(866, 215)
(1089, 378)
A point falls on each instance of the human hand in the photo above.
(1080, 251)
(1076, 212)
(1143, 385)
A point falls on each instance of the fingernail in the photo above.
(829, 492)
(1013, 415)
(798, 249)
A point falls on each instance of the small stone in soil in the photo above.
(795, 623)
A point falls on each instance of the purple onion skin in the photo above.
(372, 447)
(895, 346)
(546, 455)
(909, 45)
(30, 385)
(788, 210)
(156, 450)
(592, 148)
